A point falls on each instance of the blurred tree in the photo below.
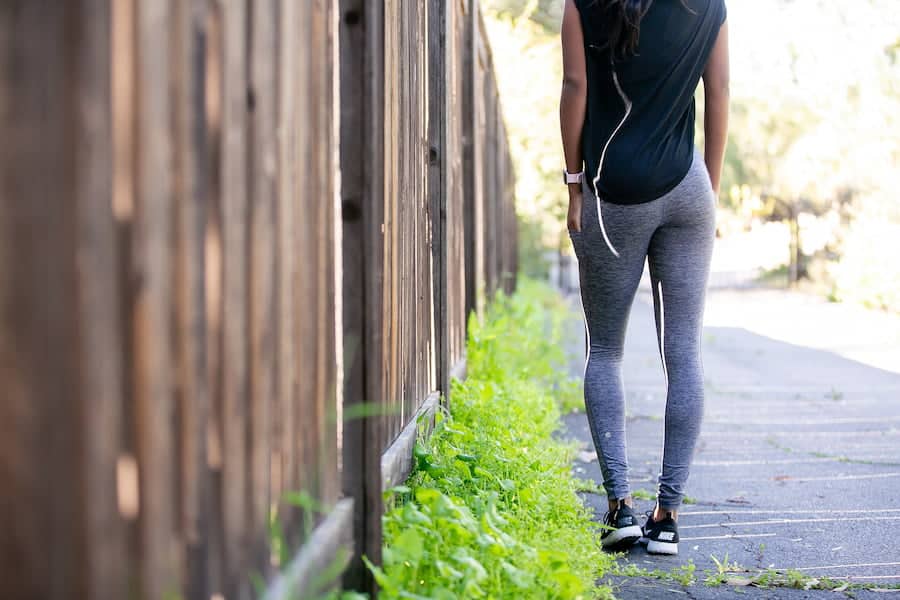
(814, 137)
(546, 13)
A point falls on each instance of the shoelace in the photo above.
(608, 517)
(611, 515)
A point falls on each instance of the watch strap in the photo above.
(572, 177)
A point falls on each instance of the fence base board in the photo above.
(331, 541)
(335, 534)
(396, 462)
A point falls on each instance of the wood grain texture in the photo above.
(263, 161)
(190, 188)
(151, 281)
(285, 474)
(58, 326)
(234, 405)
(245, 278)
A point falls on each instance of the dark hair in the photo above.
(622, 19)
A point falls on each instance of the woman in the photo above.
(639, 189)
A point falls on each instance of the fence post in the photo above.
(469, 102)
(362, 209)
(438, 112)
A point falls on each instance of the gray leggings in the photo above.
(675, 232)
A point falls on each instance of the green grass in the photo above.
(491, 510)
(731, 573)
(570, 395)
(639, 494)
(683, 574)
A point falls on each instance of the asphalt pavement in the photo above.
(798, 461)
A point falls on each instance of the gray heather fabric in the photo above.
(675, 232)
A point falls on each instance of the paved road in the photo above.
(798, 463)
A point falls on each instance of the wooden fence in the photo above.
(238, 243)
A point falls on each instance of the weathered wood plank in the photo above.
(190, 187)
(304, 418)
(99, 348)
(373, 275)
(308, 230)
(214, 287)
(52, 229)
(284, 469)
(397, 460)
(362, 160)
(262, 100)
(235, 329)
(210, 279)
(151, 311)
(470, 159)
(332, 542)
(355, 133)
(124, 89)
(326, 170)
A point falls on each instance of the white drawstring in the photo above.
(627, 103)
(662, 333)
(603, 229)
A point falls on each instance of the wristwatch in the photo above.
(572, 177)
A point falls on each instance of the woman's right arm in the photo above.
(573, 104)
(716, 94)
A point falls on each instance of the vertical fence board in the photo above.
(365, 234)
(326, 202)
(455, 119)
(373, 276)
(188, 74)
(214, 291)
(390, 304)
(263, 247)
(440, 33)
(151, 280)
(59, 365)
(234, 327)
(99, 334)
(284, 469)
(307, 312)
(222, 321)
(469, 133)
(124, 113)
(355, 134)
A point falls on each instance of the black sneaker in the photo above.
(660, 536)
(623, 529)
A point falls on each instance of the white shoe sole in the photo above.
(655, 547)
(621, 535)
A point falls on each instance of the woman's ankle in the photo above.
(614, 502)
(660, 513)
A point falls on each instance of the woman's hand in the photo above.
(573, 219)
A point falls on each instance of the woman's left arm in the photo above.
(716, 91)
(573, 104)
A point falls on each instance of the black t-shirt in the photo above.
(640, 109)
